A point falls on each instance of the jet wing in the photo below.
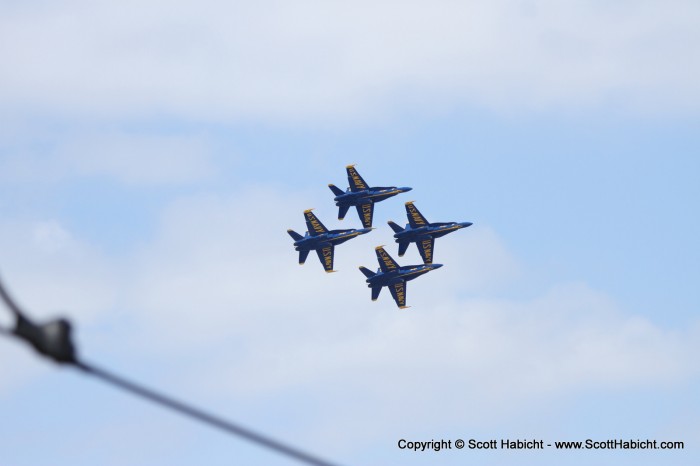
(415, 218)
(326, 255)
(355, 180)
(398, 291)
(313, 224)
(366, 213)
(386, 263)
(426, 247)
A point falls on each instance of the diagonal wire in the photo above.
(199, 415)
(150, 395)
(11, 306)
(9, 302)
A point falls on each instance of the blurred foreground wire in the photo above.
(53, 340)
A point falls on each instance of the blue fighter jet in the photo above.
(395, 277)
(321, 240)
(419, 231)
(360, 195)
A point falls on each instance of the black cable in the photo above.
(9, 301)
(53, 340)
(200, 415)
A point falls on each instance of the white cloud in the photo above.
(314, 60)
(217, 297)
(128, 157)
(150, 159)
(229, 302)
(49, 271)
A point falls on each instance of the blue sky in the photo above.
(153, 154)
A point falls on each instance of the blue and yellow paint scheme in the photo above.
(418, 230)
(361, 196)
(318, 238)
(393, 276)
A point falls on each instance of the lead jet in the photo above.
(320, 239)
(391, 275)
(419, 231)
(360, 195)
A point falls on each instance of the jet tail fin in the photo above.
(295, 236)
(403, 245)
(395, 227)
(375, 292)
(336, 190)
(368, 273)
(342, 211)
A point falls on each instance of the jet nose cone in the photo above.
(437, 266)
(405, 189)
(366, 230)
(467, 224)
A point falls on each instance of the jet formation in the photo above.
(318, 238)
(393, 276)
(418, 230)
(361, 196)
(389, 274)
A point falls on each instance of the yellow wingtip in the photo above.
(410, 202)
(309, 210)
(379, 247)
(331, 271)
(404, 307)
(350, 166)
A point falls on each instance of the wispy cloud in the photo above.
(313, 60)
(206, 284)
(140, 159)
(217, 289)
(52, 271)
(131, 158)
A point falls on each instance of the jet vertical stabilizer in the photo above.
(295, 236)
(336, 190)
(395, 227)
(368, 273)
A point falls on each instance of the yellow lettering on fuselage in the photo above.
(315, 224)
(357, 181)
(400, 293)
(387, 260)
(427, 250)
(417, 218)
(328, 258)
(367, 213)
